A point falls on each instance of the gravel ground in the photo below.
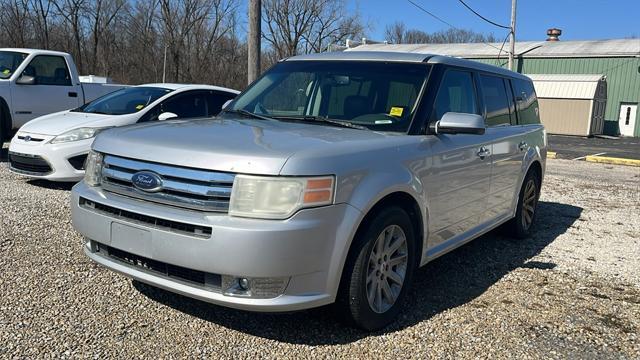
(571, 291)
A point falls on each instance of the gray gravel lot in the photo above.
(571, 291)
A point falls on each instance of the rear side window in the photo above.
(456, 94)
(49, 70)
(526, 102)
(496, 101)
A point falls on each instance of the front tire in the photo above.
(379, 270)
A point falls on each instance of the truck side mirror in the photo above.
(167, 116)
(26, 80)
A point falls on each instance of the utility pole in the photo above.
(164, 65)
(253, 51)
(512, 34)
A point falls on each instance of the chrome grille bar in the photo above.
(196, 189)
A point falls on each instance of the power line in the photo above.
(431, 14)
(482, 17)
(445, 22)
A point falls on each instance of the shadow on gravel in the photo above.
(447, 282)
(4, 154)
(52, 185)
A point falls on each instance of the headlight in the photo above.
(278, 197)
(77, 134)
(93, 168)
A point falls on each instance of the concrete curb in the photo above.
(612, 160)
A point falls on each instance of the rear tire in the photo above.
(379, 270)
(520, 226)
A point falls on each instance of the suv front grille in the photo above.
(196, 189)
(151, 221)
(29, 164)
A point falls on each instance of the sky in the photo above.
(578, 19)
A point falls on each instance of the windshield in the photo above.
(124, 101)
(377, 95)
(9, 62)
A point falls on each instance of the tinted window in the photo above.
(456, 94)
(377, 95)
(48, 70)
(124, 101)
(189, 105)
(216, 100)
(9, 61)
(496, 102)
(526, 102)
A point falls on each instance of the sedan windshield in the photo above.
(124, 101)
(380, 96)
(9, 62)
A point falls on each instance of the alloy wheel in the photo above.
(387, 268)
(529, 201)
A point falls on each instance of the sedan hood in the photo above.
(234, 145)
(61, 122)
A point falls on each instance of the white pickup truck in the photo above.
(38, 82)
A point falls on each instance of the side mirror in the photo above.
(26, 80)
(167, 116)
(459, 123)
(226, 103)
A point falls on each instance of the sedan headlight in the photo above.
(77, 134)
(93, 168)
(278, 197)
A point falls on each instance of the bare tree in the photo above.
(398, 33)
(303, 26)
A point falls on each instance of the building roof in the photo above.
(530, 49)
(569, 86)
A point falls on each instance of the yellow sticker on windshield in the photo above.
(6, 71)
(139, 107)
(396, 111)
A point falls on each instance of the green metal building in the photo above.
(618, 60)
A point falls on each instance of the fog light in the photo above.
(257, 288)
(243, 284)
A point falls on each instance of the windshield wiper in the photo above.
(248, 114)
(326, 120)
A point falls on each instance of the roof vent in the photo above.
(554, 34)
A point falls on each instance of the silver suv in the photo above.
(329, 180)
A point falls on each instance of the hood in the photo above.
(234, 145)
(61, 122)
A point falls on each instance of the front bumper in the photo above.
(309, 248)
(56, 155)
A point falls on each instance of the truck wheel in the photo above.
(520, 226)
(379, 270)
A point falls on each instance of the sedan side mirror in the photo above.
(459, 123)
(26, 80)
(167, 116)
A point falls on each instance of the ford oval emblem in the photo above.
(147, 181)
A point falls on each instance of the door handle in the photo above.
(73, 94)
(483, 152)
(522, 146)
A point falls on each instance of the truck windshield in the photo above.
(380, 96)
(9, 62)
(124, 101)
